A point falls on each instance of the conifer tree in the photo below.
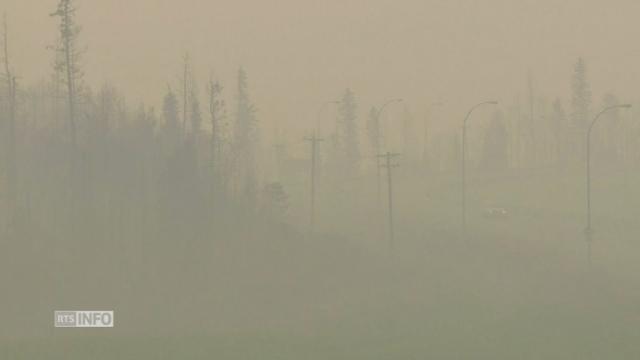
(68, 63)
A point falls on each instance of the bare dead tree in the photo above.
(186, 76)
(10, 80)
(69, 60)
(217, 115)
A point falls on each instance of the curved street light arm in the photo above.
(475, 107)
(385, 105)
(593, 122)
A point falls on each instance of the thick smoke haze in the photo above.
(424, 51)
(297, 179)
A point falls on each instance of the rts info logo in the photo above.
(83, 319)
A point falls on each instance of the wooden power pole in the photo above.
(389, 166)
(314, 141)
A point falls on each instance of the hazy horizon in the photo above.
(459, 52)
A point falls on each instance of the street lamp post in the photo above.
(318, 126)
(315, 140)
(464, 166)
(588, 232)
(377, 150)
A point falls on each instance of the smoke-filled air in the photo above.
(336, 179)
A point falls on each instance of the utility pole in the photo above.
(378, 135)
(321, 111)
(389, 166)
(314, 141)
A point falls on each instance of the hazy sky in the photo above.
(299, 53)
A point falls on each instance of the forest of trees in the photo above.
(112, 164)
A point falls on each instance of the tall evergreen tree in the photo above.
(171, 128)
(68, 63)
(170, 109)
(217, 114)
(580, 104)
(581, 95)
(186, 90)
(195, 115)
(245, 139)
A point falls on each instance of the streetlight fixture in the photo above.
(315, 140)
(464, 166)
(588, 231)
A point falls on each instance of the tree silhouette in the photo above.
(580, 104)
(69, 61)
(245, 141)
